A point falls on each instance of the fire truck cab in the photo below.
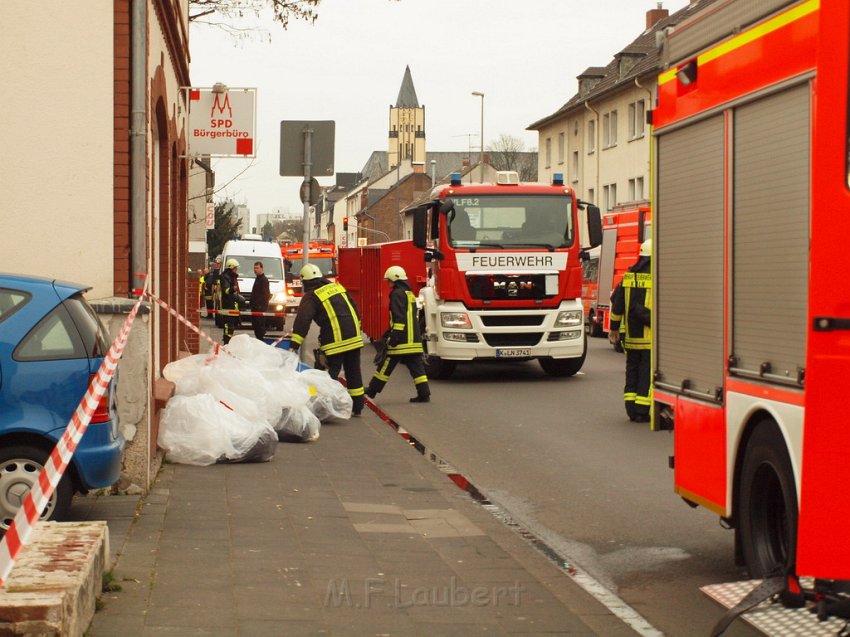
(504, 273)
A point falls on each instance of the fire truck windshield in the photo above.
(326, 265)
(511, 221)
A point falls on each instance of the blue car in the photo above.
(51, 345)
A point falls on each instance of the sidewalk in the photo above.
(353, 534)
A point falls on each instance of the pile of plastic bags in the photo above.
(236, 408)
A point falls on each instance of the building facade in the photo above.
(600, 139)
(95, 146)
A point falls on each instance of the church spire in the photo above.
(407, 94)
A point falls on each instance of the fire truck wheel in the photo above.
(594, 328)
(562, 367)
(767, 504)
(438, 368)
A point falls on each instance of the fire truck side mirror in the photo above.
(420, 227)
(592, 222)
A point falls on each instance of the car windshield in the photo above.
(272, 266)
(325, 264)
(511, 221)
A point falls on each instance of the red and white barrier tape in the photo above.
(218, 347)
(238, 313)
(48, 478)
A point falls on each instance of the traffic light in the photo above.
(345, 224)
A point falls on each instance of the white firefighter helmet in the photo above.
(646, 248)
(395, 273)
(310, 272)
(231, 263)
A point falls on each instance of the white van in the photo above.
(268, 253)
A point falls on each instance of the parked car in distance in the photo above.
(51, 345)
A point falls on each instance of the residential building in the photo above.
(600, 139)
(94, 146)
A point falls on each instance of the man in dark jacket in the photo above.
(231, 299)
(260, 296)
(631, 306)
(404, 339)
(334, 311)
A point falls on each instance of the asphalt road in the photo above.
(562, 458)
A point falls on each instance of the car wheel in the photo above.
(768, 504)
(19, 468)
(561, 367)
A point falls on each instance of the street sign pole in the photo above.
(308, 176)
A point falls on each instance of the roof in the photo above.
(407, 94)
(639, 59)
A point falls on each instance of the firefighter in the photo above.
(231, 299)
(403, 339)
(631, 311)
(207, 289)
(334, 311)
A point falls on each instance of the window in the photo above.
(609, 129)
(636, 189)
(575, 165)
(591, 195)
(609, 196)
(54, 338)
(548, 152)
(591, 136)
(637, 119)
(11, 301)
(561, 148)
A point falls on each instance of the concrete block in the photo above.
(56, 580)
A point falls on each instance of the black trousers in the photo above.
(416, 367)
(231, 323)
(259, 325)
(350, 362)
(636, 392)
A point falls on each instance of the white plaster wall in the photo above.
(57, 131)
(626, 160)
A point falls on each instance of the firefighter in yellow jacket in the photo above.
(403, 339)
(334, 311)
(631, 306)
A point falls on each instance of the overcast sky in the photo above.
(524, 55)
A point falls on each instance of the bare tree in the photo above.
(230, 14)
(233, 10)
(508, 153)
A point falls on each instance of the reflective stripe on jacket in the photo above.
(403, 324)
(334, 311)
(631, 304)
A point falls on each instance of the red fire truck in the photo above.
(321, 252)
(752, 214)
(504, 273)
(624, 228)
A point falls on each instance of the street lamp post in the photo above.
(481, 153)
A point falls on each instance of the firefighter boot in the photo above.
(423, 394)
(357, 407)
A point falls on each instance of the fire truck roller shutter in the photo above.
(770, 222)
(689, 258)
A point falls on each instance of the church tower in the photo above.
(407, 125)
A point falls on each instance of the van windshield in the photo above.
(272, 266)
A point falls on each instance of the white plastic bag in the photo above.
(329, 398)
(200, 430)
